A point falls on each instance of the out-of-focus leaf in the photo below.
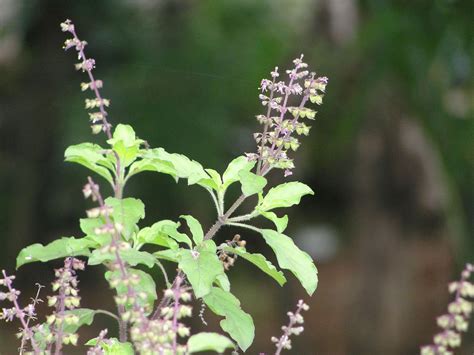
(146, 285)
(132, 257)
(113, 346)
(209, 342)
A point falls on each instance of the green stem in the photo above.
(216, 203)
(243, 225)
(220, 196)
(244, 217)
(165, 275)
(110, 314)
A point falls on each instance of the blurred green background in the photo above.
(390, 155)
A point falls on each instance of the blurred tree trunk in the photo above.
(402, 236)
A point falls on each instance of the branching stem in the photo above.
(21, 315)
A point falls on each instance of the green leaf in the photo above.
(60, 248)
(97, 241)
(185, 168)
(172, 231)
(119, 348)
(280, 222)
(127, 212)
(125, 144)
(85, 317)
(237, 323)
(92, 342)
(290, 257)
(259, 261)
(113, 346)
(169, 255)
(195, 227)
(284, 195)
(146, 285)
(209, 342)
(125, 134)
(223, 282)
(237, 165)
(132, 257)
(251, 183)
(215, 182)
(156, 234)
(156, 165)
(88, 225)
(91, 156)
(201, 266)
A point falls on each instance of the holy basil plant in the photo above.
(113, 238)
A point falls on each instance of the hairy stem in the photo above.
(243, 225)
(245, 217)
(177, 295)
(216, 202)
(122, 324)
(163, 270)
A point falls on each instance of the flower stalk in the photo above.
(456, 320)
(294, 327)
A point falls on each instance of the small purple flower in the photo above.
(280, 128)
(275, 73)
(67, 26)
(89, 64)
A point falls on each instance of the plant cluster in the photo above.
(126, 251)
(456, 320)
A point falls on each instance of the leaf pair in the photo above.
(289, 257)
(284, 195)
(238, 169)
(125, 146)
